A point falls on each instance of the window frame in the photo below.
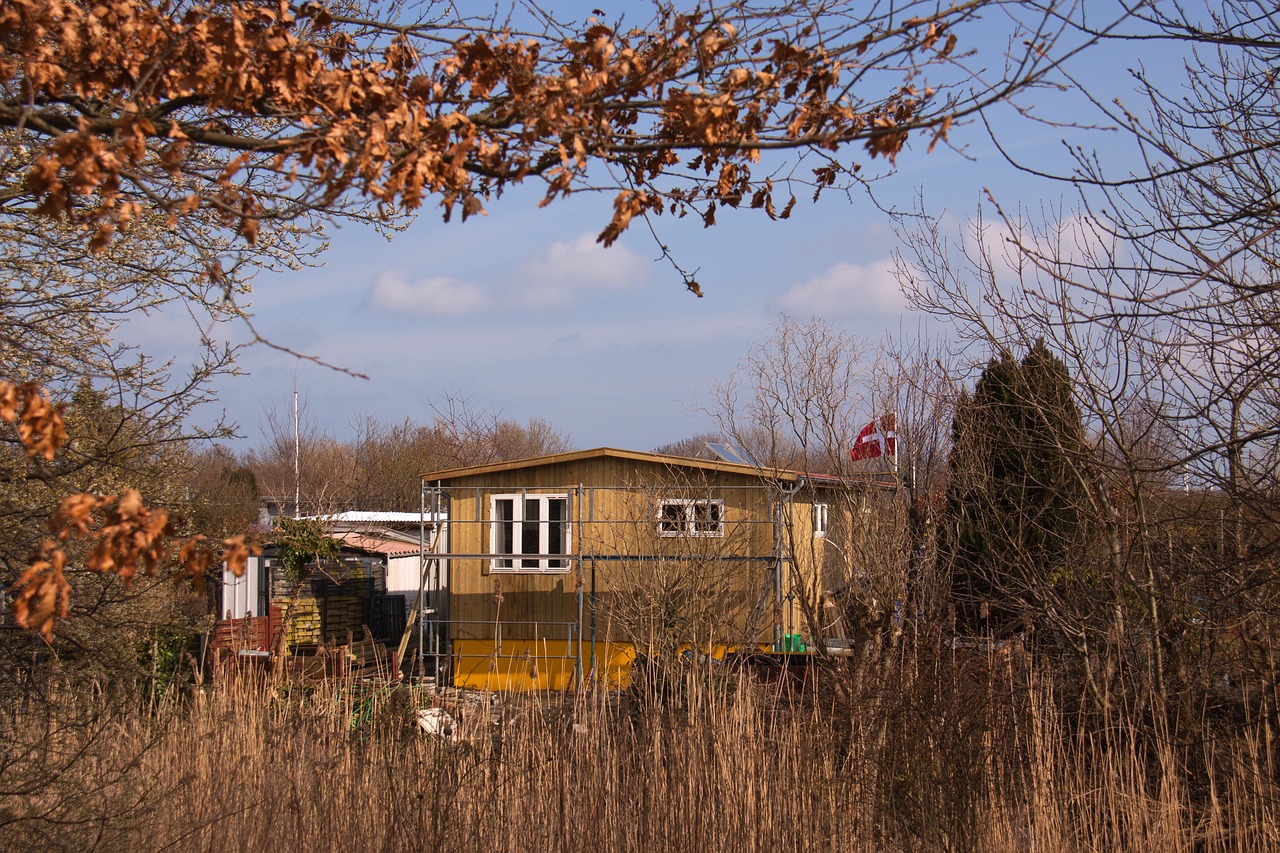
(689, 521)
(514, 561)
(821, 519)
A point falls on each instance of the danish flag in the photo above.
(878, 438)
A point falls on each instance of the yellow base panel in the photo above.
(522, 665)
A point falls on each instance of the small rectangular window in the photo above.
(821, 516)
(531, 532)
(691, 518)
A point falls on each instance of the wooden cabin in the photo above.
(564, 568)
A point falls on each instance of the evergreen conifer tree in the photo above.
(1015, 504)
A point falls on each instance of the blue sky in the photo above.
(521, 311)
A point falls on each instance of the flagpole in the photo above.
(896, 438)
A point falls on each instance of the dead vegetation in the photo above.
(935, 749)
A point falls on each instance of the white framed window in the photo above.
(821, 517)
(701, 517)
(533, 530)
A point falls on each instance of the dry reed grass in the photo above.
(932, 750)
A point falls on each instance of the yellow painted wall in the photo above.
(615, 531)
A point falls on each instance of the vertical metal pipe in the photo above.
(422, 560)
(578, 547)
(591, 516)
(297, 468)
(440, 598)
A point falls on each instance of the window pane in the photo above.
(503, 512)
(671, 518)
(557, 512)
(530, 531)
(557, 509)
(706, 517)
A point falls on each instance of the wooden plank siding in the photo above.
(628, 578)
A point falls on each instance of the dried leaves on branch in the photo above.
(130, 104)
(124, 535)
(121, 117)
(39, 422)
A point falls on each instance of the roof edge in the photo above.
(612, 452)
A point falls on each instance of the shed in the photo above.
(564, 568)
(345, 594)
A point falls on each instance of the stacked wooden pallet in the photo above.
(343, 614)
(304, 622)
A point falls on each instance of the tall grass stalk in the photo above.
(922, 751)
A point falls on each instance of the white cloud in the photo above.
(846, 289)
(1032, 250)
(430, 296)
(555, 276)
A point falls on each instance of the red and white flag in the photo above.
(878, 438)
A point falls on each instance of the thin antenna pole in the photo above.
(297, 451)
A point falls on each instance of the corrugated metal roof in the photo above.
(389, 547)
(367, 517)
